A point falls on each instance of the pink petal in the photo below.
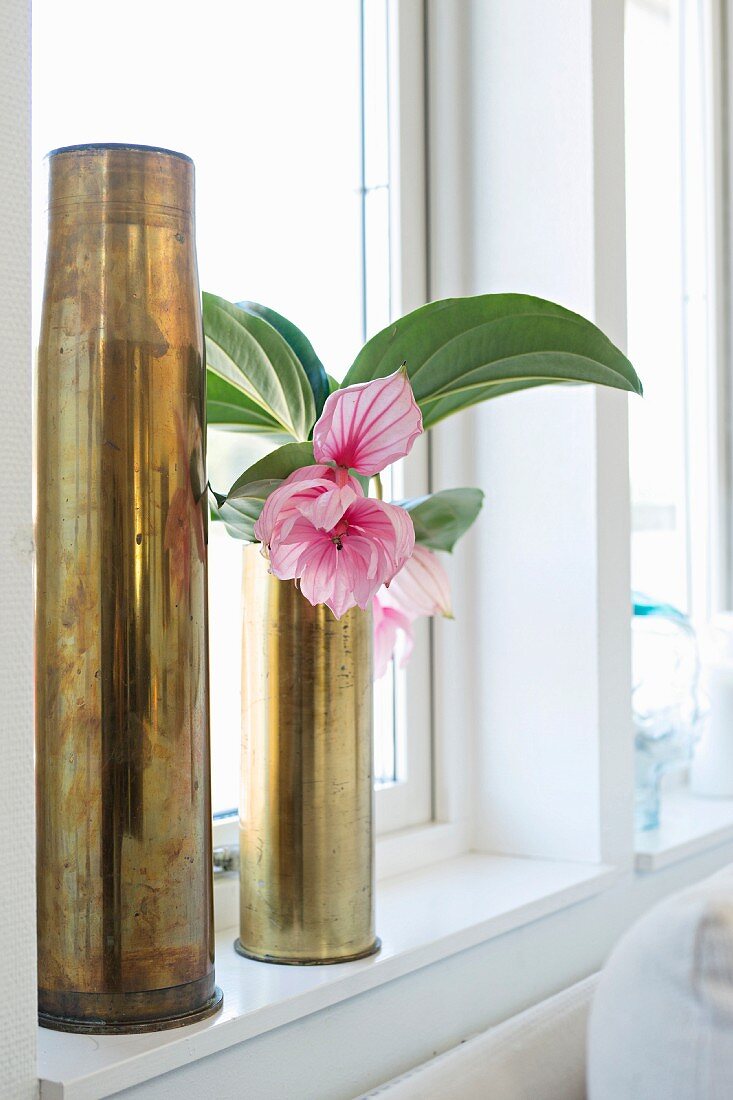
(307, 483)
(290, 553)
(342, 598)
(321, 472)
(388, 526)
(368, 426)
(285, 497)
(326, 510)
(355, 560)
(388, 624)
(422, 587)
(405, 534)
(318, 472)
(318, 576)
(342, 546)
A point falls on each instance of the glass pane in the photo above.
(669, 323)
(655, 334)
(669, 327)
(291, 147)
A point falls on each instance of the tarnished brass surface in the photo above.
(125, 931)
(306, 838)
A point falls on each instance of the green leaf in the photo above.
(227, 408)
(240, 509)
(276, 466)
(301, 345)
(249, 354)
(440, 519)
(239, 516)
(461, 351)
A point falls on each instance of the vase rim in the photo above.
(104, 146)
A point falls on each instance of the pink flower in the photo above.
(308, 482)
(368, 426)
(318, 527)
(422, 586)
(339, 544)
(392, 628)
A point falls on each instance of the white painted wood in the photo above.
(703, 296)
(612, 518)
(408, 196)
(411, 849)
(689, 825)
(422, 917)
(409, 802)
(398, 1024)
(540, 1052)
(527, 191)
(396, 852)
(456, 670)
(17, 849)
(716, 17)
(349, 1048)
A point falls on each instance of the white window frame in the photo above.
(703, 320)
(707, 375)
(524, 763)
(585, 449)
(408, 802)
(700, 307)
(481, 798)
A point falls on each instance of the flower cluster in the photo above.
(347, 549)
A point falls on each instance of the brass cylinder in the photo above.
(306, 815)
(125, 929)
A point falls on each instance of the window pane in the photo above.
(654, 240)
(284, 108)
(669, 320)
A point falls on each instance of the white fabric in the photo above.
(661, 1027)
(537, 1055)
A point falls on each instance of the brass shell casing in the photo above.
(125, 928)
(306, 836)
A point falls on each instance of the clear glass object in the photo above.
(665, 699)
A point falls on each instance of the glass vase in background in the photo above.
(665, 700)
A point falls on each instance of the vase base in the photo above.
(122, 1027)
(281, 960)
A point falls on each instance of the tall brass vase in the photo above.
(306, 821)
(125, 939)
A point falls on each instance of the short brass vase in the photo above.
(125, 930)
(306, 819)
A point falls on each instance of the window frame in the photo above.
(705, 328)
(408, 802)
(704, 339)
(589, 929)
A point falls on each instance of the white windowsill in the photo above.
(689, 825)
(422, 916)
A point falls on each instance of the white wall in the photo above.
(17, 850)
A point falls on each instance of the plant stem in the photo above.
(377, 480)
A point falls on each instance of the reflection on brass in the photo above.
(307, 849)
(125, 932)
